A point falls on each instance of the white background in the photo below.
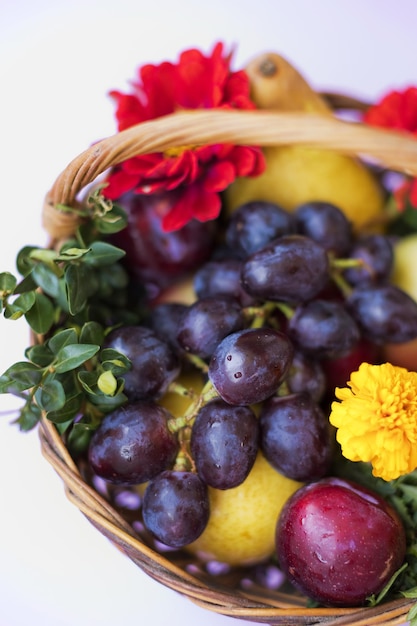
(58, 60)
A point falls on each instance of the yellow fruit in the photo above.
(181, 292)
(405, 277)
(298, 174)
(276, 84)
(404, 274)
(241, 528)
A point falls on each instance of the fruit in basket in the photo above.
(241, 528)
(276, 317)
(154, 365)
(404, 276)
(338, 542)
(295, 436)
(297, 174)
(176, 507)
(248, 366)
(154, 257)
(133, 444)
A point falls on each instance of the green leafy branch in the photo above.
(70, 299)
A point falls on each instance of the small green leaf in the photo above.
(410, 593)
(40, 355)
(46, 279)
(72, 254)
(79, 437)
(20, 306)
(71, 357)
(29, 417)
(19, 377)
(103, 254)
(79, 286)
(88, 381)
(92, 332)
(44, 255)
(114, 361)
(112, 222)
(41, 315)
(27, 284)
(68, 411)
(8, 283)
(106, 404)
(116, 276)
(50, 396)
(66, 337)
(107, 383)
(24, 262)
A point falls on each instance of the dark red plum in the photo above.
(339, 543)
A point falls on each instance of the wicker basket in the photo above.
(238, 592)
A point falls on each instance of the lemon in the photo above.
(241, 528)
(298, 174)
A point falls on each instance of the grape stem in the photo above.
(259, 314)
(183, 425)
(208, 393)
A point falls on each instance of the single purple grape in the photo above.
(133, 444)
(326, 224)
(176, 507)
(255, 224)
(385, 313)
(323, 329)
(207, 322)
(295, 436)
(154, 363)
(224, 443)
(291, 268)
(249, 365)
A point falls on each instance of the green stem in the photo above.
(341, 283)
(208, 393)
(286, 309)
(198, 362)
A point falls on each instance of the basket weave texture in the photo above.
(234, 593)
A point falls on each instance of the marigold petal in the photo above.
(376, 419)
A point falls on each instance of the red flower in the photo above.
(398, 110)
(200, 172)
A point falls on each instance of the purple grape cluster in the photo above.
(279, 296)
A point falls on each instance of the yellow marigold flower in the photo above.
(376, 419)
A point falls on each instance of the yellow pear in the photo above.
(405, 277)
(298, 174)
(241, 528)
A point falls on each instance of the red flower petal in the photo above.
(118, 183)
(195, 81)
(219, 176)
(129, 110)
(248, 161)
(195, 203)
(397, 109)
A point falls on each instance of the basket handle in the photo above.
(392, 149)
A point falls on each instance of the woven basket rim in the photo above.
(390, 149)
